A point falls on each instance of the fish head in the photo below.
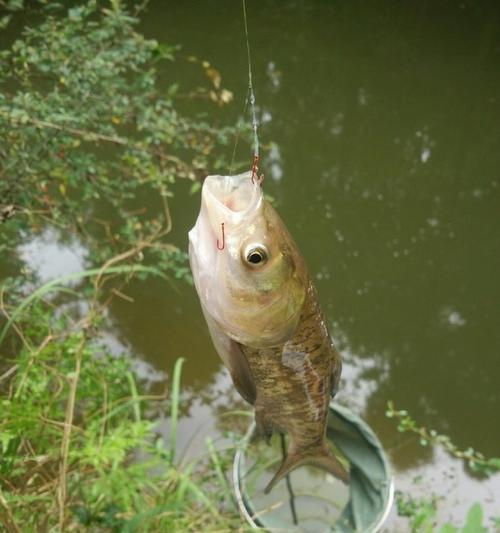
(255, 287)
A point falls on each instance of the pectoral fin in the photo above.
(322, 458)
(232, 356)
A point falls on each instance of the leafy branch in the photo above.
(87, 121)
(474, 459)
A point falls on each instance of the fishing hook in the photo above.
(223, 239)
(255, 167)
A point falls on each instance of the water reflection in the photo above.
(148, 374)
(51, 255)
(362, 372)
(274, 162)
(207, 416)
(274, 75)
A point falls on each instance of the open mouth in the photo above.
(236, 194)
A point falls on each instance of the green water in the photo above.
(382, 127)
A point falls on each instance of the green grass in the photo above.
(72, 424)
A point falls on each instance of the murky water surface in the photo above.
(382, 127)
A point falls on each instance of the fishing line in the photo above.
(250, 97)
(237, 137)
(289, 483)
(250, 87)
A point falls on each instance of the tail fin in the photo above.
(322, 458)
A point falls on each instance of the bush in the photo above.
(85, 120)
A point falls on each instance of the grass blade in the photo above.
(218, 470)
(174, 407)
(180, 492)
(56, 285)
(136, 406)
(199, 495)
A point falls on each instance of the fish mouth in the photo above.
(232, 196)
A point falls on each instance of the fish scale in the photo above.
(292, 380)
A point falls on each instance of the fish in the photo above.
(265, 320)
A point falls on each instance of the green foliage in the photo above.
(84, 121)
(88, 128)
(474, 459)
(422, 513)
(72, 430)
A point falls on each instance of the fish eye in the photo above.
(255, 255)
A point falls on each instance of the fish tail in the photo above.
(322, 458)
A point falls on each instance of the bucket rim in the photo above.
(245, 505)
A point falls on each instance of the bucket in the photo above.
(309, 499)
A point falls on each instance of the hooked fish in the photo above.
(264, 318)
